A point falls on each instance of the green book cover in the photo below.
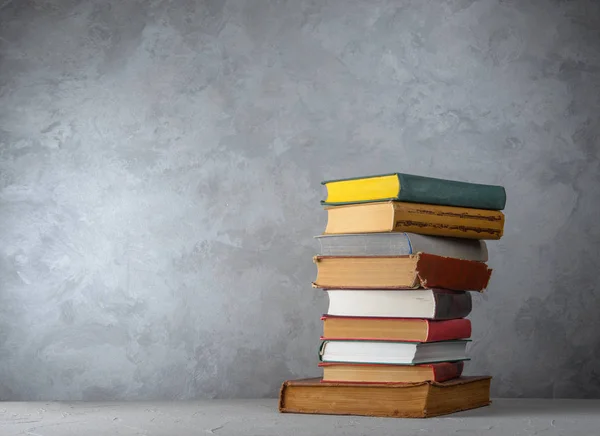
(429, 190)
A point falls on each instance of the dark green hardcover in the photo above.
(429, 190)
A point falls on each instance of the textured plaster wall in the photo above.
(159, 182)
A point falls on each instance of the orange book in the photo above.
(406, 400)
(400, 272)
(425, 219)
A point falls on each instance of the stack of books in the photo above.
(398, 259)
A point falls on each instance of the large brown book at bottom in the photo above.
(407, 400)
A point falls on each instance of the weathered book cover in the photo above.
(425, 219)
(400, 272)
(406, 400)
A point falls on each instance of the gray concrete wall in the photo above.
(159, 182)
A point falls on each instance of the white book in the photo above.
(395, 244)
(420, 303)
(398, 353)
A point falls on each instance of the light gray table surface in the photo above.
(260, 417)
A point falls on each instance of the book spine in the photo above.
(457, 222)
(455, 274)
(419, 189)
(282, 397)
(447, 371)
(448, 330)
(450, 305)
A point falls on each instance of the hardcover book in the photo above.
(425, 219)
(402, 243)
(414, 189)
(394, 329)
(405, 400)
(388, 352)
(371, 373)
(400, 272)
(438, 304)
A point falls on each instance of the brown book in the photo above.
(408, 400)
(371, 373)
(425, 219)
(400, 272)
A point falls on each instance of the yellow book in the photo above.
(426, 219)
(414, 189)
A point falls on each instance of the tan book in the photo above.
(394, 329)
(425, 219)
(400, 272)
(371, 373)
(408, 400)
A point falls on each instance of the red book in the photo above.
(373, 373)
(394, 329)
